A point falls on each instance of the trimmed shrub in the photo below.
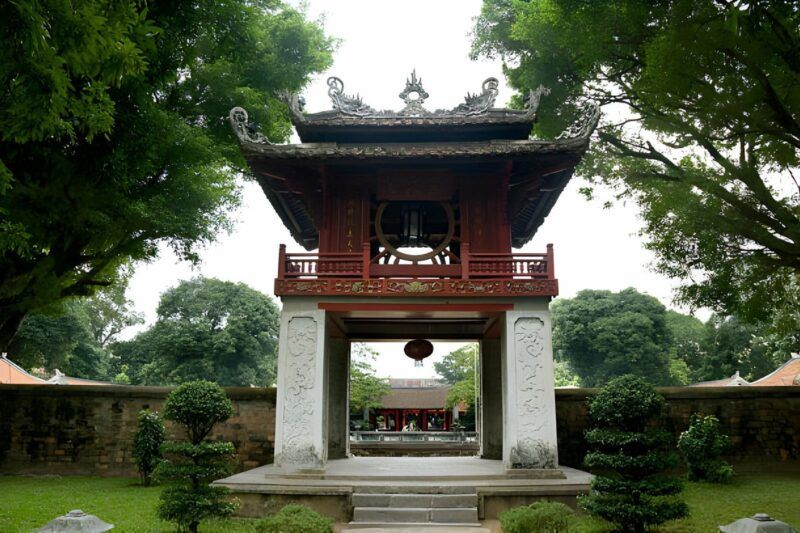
(542, 517)
(192, 465)
(702, 445)
(296, 519)
(630, 489)
(147, 443)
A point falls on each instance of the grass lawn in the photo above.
(29, 502)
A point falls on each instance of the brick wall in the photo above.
(763, 422)
(89, 429)
(49, 429)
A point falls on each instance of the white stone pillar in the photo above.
(301, 417)
(529, 406)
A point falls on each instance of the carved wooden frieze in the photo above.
(421, 287)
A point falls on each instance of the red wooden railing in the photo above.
(472, 266)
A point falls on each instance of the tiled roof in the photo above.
(786, 375)
(734, 381)
(416, 398)
(13, 374)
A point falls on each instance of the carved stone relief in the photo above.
(298, 406)
(532, 406)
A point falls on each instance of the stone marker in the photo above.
(76, 521)
(758, 523)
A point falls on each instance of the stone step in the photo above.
(426, 527)
(416, 515)
(415, 500)
(413, 488)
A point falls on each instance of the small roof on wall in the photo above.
(13, 374)
(786, 375)
(354, 134)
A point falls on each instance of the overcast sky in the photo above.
(381, 42)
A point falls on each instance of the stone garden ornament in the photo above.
(74, 522)
(758, 523)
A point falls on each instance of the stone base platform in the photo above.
(266, 489)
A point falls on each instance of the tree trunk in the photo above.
(193, 527)
(9, 325)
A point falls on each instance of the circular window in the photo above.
(415, 224)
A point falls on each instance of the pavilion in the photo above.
(414, 214)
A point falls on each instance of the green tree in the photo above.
(688, 336)
(206, 329)
(147, 441)
(732, 345)
(74, 336)
(366, 389)
(603, 334)
(114, 136)
(629, 459)
(703, 126)
(458, 365)
(197, 406)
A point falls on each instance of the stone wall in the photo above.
(763, 422)
(89, 429)
(60, 429)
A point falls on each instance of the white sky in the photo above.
(382, 41)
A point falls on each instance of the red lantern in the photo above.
(418, 349)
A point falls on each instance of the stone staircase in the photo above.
(390, 508)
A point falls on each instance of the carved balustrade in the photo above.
(477, 274)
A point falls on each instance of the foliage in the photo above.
(731, 345)
(147, 441)
(73, 335)
(457, 365)
(114, 134)
(197, 406)
(458, 369)
(702, 445)
(563, 375)
(628, 459)
(702, 131)
(688, 336)
(207, 329)
(29, 502)
(603, 334)
(541, 516)
(366, 389)
(296, 519)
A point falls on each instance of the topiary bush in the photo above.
(296, 519)
(630, 489)
(192, 465)
(147, 443)
(542, 517)
(702, 445)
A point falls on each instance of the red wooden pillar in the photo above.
(282, 262)
(551, 272)
(365, 260)
(465, 260)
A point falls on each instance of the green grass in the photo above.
(712, 505)
(27, 503)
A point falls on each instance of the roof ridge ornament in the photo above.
(584, 125)
(475, 104)
(348, 104)
(414, 95)
(246, 131)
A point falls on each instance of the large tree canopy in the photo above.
(604, 335)
(206, 329)
(113, 136)
(702, 128)
(74, 336)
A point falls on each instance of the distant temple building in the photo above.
(786, 375)
(416, 405)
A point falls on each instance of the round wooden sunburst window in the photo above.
(435, 248)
